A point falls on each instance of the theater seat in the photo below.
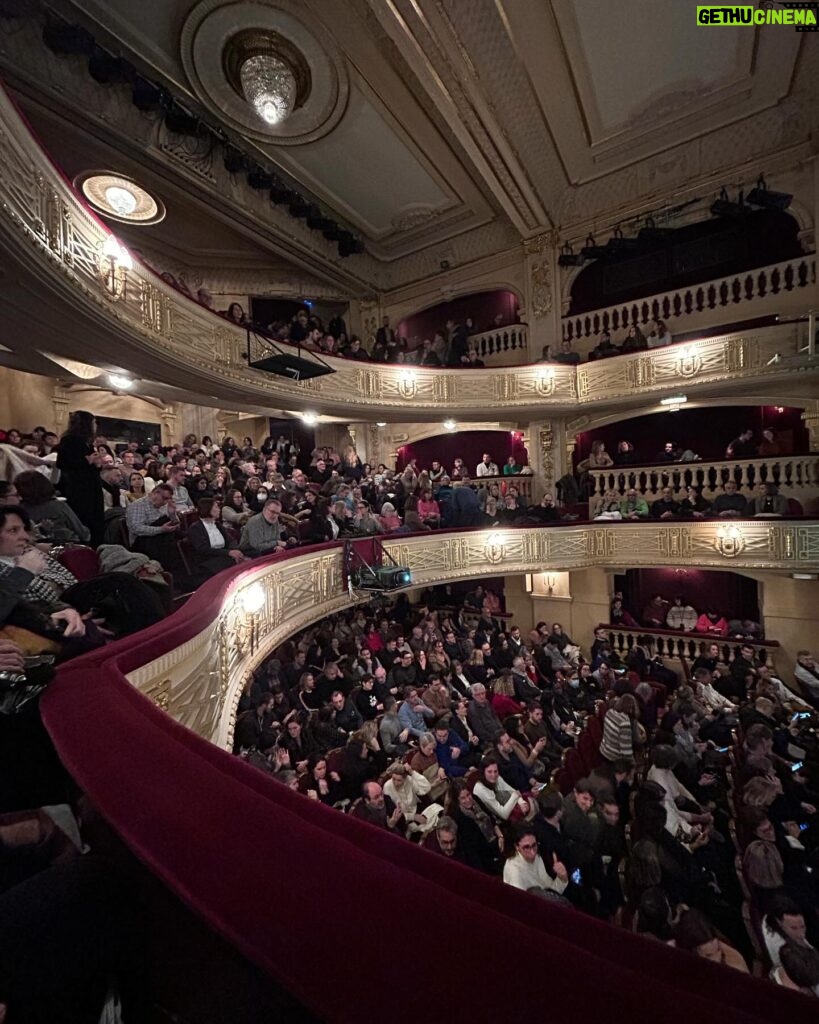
(81, 561)
(795, 507)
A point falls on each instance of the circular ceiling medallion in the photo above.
(119, 198)
(271, 79)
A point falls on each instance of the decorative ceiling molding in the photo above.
(213, 26)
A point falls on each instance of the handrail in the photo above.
(679, 644)
(792, 472)
(743, 293)
(49, 235)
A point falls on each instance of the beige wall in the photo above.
(790, 614)
(28, 400)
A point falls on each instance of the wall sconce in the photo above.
(252, 601)
(551, 583)
(406, 384)
(494, 548)
(730, 541)
(253, 598)
(114, 263)
(450, 425)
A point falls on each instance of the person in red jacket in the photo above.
(712, 622)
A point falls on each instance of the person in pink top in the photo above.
(428, 510)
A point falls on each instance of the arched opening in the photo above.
(468, 445)
(496, 308)
(707, 431)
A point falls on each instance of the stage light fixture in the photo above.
(724, 207)
(762, 196)
(569, 258)
(592, 251)
(234, 160)
(618, 245)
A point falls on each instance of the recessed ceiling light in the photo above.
(119, 198)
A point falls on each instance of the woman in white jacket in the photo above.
(498, 797)
(526, 870)
(405, 788)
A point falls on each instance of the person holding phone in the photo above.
(525, 868)
(153, 525)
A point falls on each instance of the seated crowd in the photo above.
(681, 808)
(626, 502)
(679, 614)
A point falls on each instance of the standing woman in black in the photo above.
(79, 473)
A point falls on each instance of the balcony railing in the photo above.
(502, 345)
(778, 288)
(798, 475)
(681, 646)
(524, 482)
(57, 245)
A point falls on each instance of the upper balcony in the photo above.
(70, 293)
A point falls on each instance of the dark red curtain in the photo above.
(732, 595)
(483, 307)
(468, 445)
(338, 911)
(707, 431)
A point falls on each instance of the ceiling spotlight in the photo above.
(592, 251)
(381, 423)
(723, 207)
(568, 257)
(768, 200)
(119, 198)
(310, 419)
(120, 382)
(674, 402)
(450, 425)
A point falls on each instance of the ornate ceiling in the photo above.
(442, 130)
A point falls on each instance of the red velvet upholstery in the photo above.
(205, 823)
(81, 561)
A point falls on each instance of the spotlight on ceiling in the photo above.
(235, 161)
(618, 245)
(651, 235)
(309, 419)
(450, 425)
(768, 200)
(724, 207)
(120, 382)
(592, 251)
(568, 257)
(119, 198)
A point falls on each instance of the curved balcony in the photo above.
(205, 822)
(90, 308)
(217, 642)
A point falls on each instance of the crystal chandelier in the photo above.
(269, 86)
